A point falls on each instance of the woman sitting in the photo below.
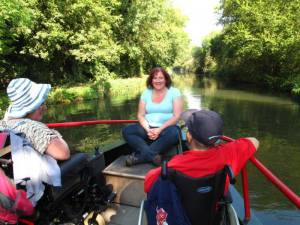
(159, 110)
(23, 116)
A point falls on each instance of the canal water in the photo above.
(273, 119)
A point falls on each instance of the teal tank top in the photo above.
(158, 113)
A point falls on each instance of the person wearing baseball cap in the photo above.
(206, 155)
(26, 109)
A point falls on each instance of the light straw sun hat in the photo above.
(26, 96)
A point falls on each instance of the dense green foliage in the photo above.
(203, 62)
(63, 41)
(260, 43)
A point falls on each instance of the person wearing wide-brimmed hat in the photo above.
(24, 113)
(206, 156)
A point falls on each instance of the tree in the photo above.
(80, 40)
(205, 63)
(259, 43)
(151, 34)
(16, 22)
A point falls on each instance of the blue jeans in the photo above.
(146, 149)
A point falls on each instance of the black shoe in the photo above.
(157, 160)
(132, 160)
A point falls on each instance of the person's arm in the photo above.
(45, 140)
(238, 152)
(177, 110)
(58, 149)
(254, 141)
(141, 115)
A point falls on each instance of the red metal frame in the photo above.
(246, 194)
(92, 122)
(294, 198)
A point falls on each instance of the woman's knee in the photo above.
(125, 131)
(128, 130)
(133, 129)
(172, 131)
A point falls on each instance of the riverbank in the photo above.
(88, 91)
(129, 87)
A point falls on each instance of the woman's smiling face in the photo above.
(159, 81)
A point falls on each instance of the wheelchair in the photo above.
(202, 199)
(83, 189)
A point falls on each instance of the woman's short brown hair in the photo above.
(155, 71)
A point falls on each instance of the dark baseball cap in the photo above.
(204, 125)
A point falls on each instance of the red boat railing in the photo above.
(294, 198)
(91, 122)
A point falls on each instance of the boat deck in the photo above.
(128, 183)
(125, 215)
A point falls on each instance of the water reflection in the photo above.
(274, 125)
(274, 120)
(192, 101)
(86, 138)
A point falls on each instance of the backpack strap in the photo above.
(164, 170)
(230, 173)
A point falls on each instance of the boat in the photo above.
(117, 201)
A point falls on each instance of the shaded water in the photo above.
(274, 120)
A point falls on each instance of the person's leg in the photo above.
(167, 139)
(137, 138)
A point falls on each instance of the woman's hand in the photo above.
(154, 133)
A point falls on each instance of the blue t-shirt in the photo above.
(158, 113)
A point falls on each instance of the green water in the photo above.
(273, 119)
